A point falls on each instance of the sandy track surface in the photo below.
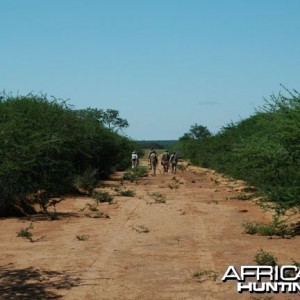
(149, 248)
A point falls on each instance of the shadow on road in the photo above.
(31, 283)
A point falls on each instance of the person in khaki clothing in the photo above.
(173, 161)
(165, 161)
(153, 160)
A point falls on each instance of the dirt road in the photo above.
(149, 248)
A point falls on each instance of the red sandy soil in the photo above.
(198, 228)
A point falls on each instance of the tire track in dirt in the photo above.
(157, 254)
(102, 270)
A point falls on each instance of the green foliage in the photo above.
(245, 196)
(264, 258)
(133, 175)
(278, 227)
(47, 145)
(102, 197)
(92, 207)
(263, 150)
(250, 227)
(86, 181)
(53, 215)
(196, 132)
(108, 118)
(204, 274)
(98, 215)
(127, 193)
(141, 171)
(26, 233)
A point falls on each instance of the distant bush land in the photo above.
(156, 144)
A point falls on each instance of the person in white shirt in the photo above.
(134, 159)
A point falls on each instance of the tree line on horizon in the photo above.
(263, 150)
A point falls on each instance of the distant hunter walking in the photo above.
(173, 161)
(134, 160)
(165, 161)
(153, 160)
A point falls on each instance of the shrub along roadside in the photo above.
(46, 145)
(263, 150)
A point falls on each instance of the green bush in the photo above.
(26, 233)
(205, 274)
(127, 193)
(86, 181)
(263, 150)
(133, 175)
(47, 145)
(102, 197)
(277, 227)
(264, 258)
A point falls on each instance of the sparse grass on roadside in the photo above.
(158, 197)
(249, 189)
(205, 274)
(216, 181)
(262, 298)
(141, 229)
(133, 175)
(129, 175)
(181, 167)
(92, 207)
(174, 184)
(98, 215)
(102, 197)
(278, 227)
(292, 273)
(26, 233)
(82, 237)
(53, 215)
(126, 193)
(86, 181)
(264, 258)
(250, 227)
(245, 196)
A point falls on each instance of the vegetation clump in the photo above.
(263, 150)
(82, 237)
(133, 175)
(101, 197)
(141, 229)
(277, 227)
(26, 233)
(264, 258)
(158, 197)
(47, 145)
(126, 193)
(205, 274)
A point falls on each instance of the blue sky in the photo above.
(164, 64)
